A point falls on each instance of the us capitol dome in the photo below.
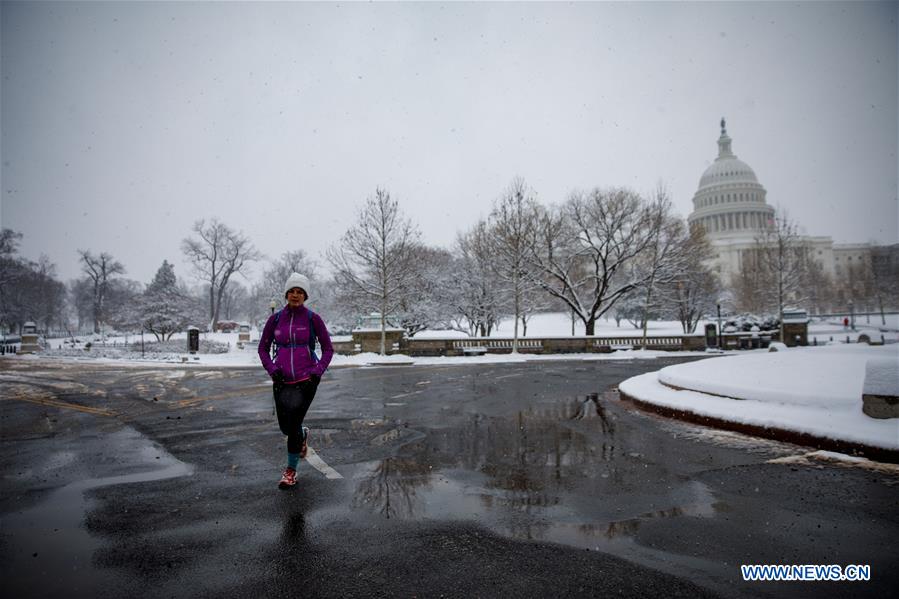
(730, 202)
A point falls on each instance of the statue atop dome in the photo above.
(723, 127)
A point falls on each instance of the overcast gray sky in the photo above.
(122, 123)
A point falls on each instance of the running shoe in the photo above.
(288, 479)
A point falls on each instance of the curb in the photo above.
(871, 452)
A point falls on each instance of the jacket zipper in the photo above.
(293, 374)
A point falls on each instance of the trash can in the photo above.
(711, 335)
(193, 340)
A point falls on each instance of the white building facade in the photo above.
(731, 205)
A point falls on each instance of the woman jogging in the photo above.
(295, 371)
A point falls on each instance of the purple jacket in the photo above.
(291, 338)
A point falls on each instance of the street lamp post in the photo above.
(851, 315)
(720, 338)
(273, 305)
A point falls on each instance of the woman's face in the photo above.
(295, 297)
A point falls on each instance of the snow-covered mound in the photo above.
(816, 391)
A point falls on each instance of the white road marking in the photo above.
(406, 394)
(320, 465)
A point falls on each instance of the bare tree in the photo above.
(374, 258)
(751, 284)
(782, 253)
(81, 300)
(28, 290)
(513, 226)
(885, 275)
(279, 270)
(271, 287)
(584, 249)
(10, 271)
(817, 286)
(693, 293)
(9, 245)
(534, 301)
(665, 256)
(99, 270)
(217, 254)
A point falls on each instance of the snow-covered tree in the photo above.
(512, 230)
(476, 300)
(165, 308)
(427, 304)
(100, 270)
(217, 254)
(121, 304)
(374, 259)
(585, 249)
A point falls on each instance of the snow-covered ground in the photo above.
(813, 390)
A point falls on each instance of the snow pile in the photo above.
(817, 391)
(789, 376)
(882, 377)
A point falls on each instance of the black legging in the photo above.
(291, 403)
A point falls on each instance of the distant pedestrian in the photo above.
(296, 371)
(845, 322)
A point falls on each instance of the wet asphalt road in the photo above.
(490, 480)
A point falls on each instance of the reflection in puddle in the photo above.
(51, 548)
(533, 476)
(390, 488)
(583, 410)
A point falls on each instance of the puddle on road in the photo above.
(533, 477)
(49, 548)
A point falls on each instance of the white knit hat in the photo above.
(297, 280)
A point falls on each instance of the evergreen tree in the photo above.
(164, 308)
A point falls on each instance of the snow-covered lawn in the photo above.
(817, 391)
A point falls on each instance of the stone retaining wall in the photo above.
(526, 345)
